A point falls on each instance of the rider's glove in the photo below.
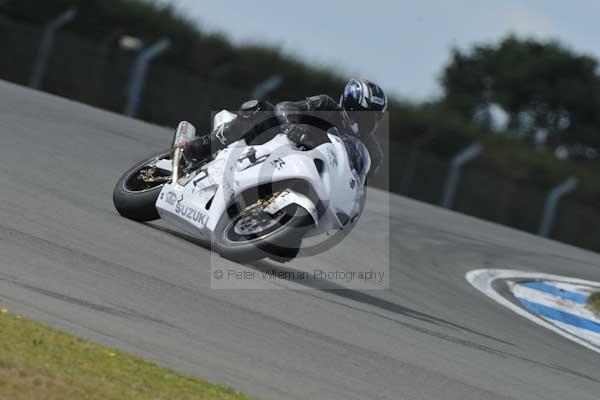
(296, 133)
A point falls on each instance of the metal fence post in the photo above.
(41, 62)
(266, 87)
(552, 201)
(137, 76)
(456, 164)
(411, 162)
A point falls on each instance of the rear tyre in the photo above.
(135, 198)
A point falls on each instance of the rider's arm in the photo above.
(317, 112)
(288, 112)
(322, 102)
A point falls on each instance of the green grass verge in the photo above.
(594, 302)
(37, 362)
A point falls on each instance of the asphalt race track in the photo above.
(68, 259)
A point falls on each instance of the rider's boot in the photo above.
(198, 149)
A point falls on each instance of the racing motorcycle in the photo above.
(251, 201)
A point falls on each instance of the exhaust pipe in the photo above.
(185, 133)
(176, 160)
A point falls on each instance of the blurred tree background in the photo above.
(532, 104)
(550, 94)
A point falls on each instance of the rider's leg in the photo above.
(249, 121)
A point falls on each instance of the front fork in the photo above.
(287, 197)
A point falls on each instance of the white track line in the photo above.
(482, 280)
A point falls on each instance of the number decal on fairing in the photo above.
(278, 163)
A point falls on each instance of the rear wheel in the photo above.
(137, 190)
(253, 234)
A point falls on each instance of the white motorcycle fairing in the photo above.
(197, 202)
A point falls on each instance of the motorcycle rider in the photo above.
(356, 116)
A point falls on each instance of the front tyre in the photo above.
(245, 237)
(137, 190)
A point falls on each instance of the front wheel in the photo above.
(252, 234)
(137, 190)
